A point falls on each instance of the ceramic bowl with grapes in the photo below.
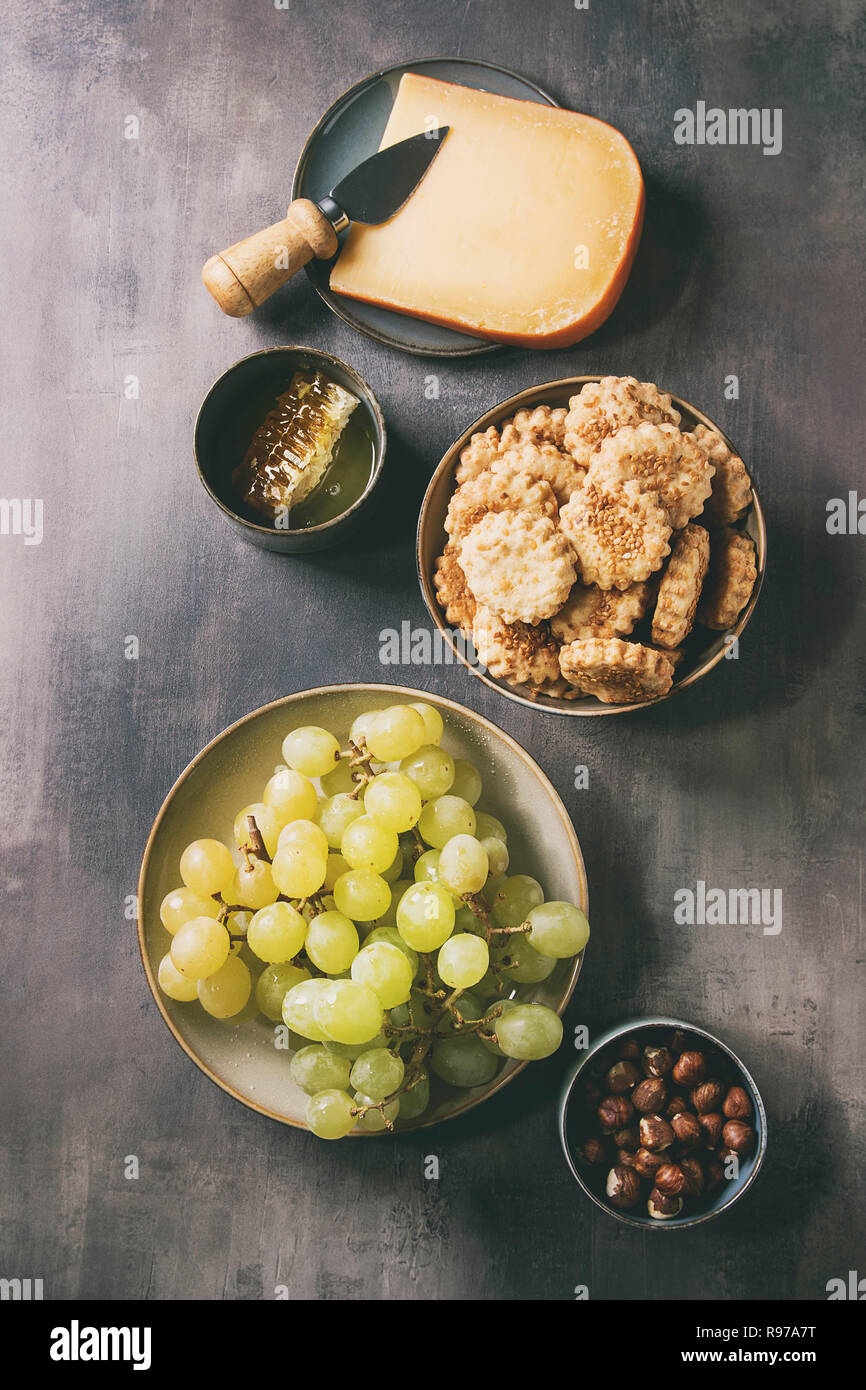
(248, 1054)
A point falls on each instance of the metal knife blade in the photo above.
(377, 189)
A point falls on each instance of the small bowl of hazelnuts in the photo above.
(662, 1124)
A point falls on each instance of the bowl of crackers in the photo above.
(591, 546)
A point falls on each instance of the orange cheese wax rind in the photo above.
(522, 231)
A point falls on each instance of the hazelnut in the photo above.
(714, 1175)
(662, 1207)
(615, 1112)
(670, 1179)
(650, 1096)
(647, 1163)
(687, 1129)
(657, 1061)
(655, 1133)
(693, 1174)
(738, 1137)
(627, 1139)
(629, 1050)
(690, 1069)
(621, 1077)
(594, 1151)
(622, 1187)
(708, 1096)
(737, 1105)
(712, 1128)
(676, 1107)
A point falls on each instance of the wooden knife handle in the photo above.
(244, 276)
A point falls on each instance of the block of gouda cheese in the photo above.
(523, 230)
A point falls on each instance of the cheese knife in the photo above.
(244, 276)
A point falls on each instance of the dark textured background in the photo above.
(749, 265)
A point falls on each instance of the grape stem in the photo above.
(257, 844)
(359, 765)
(510, 931)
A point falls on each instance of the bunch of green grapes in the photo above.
(374, 902)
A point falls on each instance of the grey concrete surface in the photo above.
(750, 265)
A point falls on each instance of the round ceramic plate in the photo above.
(231, 772)
(349, 132)
(702, 650)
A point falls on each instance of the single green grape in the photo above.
(463, 865)
(361, 895)
(267, 822)
(273, 985)
(207, 867)
(463, 961)
(425, 916)
(466, 921)
(497, 855)
(299, 872)
(385, 969)
(529, 1032)
(290, 795)
(368, 845)
(175, 985)
(445, 817)
(467, 781)
(311, 750)
(377, 1073)
(392, 937)
(335, 866)
(348, 1011)
(395, 733)
(305, 836)
(253, 885)
(434, 725)
(277, 933)
(330, 1114)
(489, 827)
(336, 815)
(376, 1120)
(521, 962)
(426, 869)
(316, 1069)
(463, 1062)
(199, 948)
(332, 942)
(516, 899)
(558, 929)
(415, 1101)
(299, 1007)
(393, 801)
(431, 769)
(225, 993)
(181, 904)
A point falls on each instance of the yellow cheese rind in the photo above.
(523, 230)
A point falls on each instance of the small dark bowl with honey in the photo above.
(283, 452)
